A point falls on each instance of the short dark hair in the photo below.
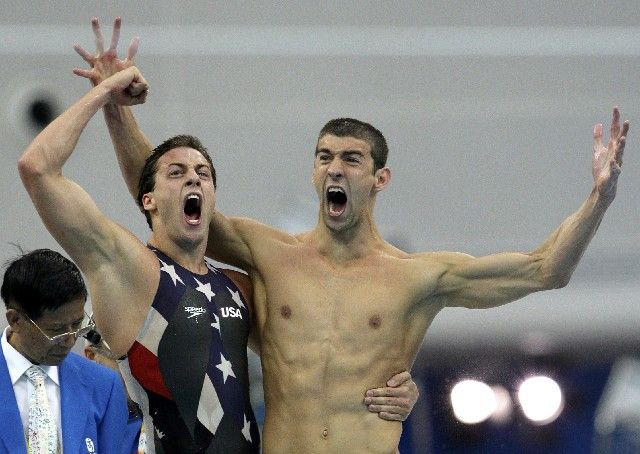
(41, 280)
(147, 180)
(350, 127)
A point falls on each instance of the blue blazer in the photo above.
(93, 409)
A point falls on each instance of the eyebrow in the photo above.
(60, 325)
(343, 152)
(184, 166)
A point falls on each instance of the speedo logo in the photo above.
(230, 312)
(194, 311)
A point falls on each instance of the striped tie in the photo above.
(43, 433)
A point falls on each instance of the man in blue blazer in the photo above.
(45, 294)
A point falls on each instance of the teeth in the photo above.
(193, 196)
(335, 190)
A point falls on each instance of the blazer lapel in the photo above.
(12, 433)
(75, 401)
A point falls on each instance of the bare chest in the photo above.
(368, 298)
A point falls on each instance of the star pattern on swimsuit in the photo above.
(205, 289)
(235, 296)
(216, 324)
(225, 367)
(246, 429)
(171, 271)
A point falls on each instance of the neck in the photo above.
(350, 243)
(186, 254)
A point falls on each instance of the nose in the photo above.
(68, 341)
(335, 170)
(193, 178)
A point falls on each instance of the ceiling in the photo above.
(488, 109)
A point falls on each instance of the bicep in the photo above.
(491, 280)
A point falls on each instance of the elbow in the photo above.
(29, 167)
(553, 274)
(562, 281)
(556, 280)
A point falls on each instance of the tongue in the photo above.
(336, 209)
(192, 218)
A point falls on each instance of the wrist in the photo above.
(602, 200)
(101, 94)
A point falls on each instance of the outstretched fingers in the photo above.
(597, 137)
(86, 73)
(625, 128)
(619, 151)
(133, 48)
(615, 124)
(617, 140)
(607, 161)
(95, 25)
(115, 34)
(86, 56)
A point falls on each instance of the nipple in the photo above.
(285, 311)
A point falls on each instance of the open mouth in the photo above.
(192, 209)
(336, 200)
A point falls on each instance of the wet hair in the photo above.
(41, 280)
(350, 127)
(147, 180)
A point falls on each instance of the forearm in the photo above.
(131, 146)
(563, 249)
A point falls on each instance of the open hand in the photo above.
(105, 63)
(607, 161)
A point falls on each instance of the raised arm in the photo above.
(228, 236)
(501, 278)
(42, 162)
(131, 145)
(106, 253)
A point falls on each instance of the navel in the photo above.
(285, 311)
(375, 321)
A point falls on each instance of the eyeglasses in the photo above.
(63, 338)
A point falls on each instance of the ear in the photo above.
(148, 202)
(89, 353)
(13, 316)
(383, 177)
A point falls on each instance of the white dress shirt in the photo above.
(22, 387)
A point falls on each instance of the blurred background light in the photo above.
(504, 405)
(473, 401)
(541, 399)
